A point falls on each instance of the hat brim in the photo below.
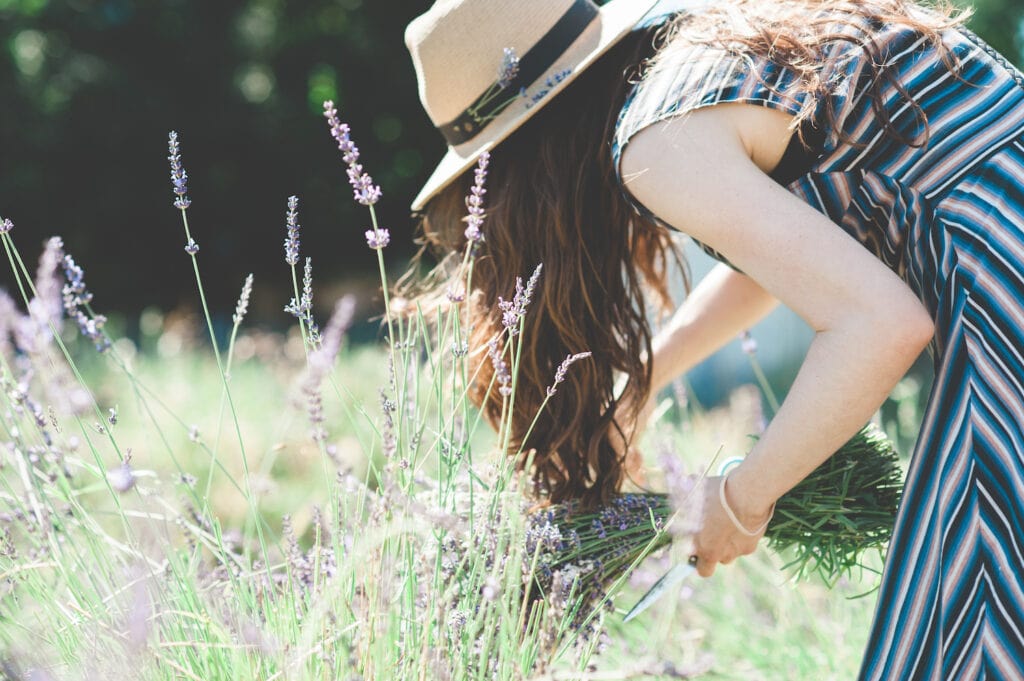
(615, 19)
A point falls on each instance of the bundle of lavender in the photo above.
(827, 524)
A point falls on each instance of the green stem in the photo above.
(231, 403)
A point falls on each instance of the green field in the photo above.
(165, 580)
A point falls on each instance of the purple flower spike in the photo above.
(6, 226)
(475, 200)
(377, 238)
(364, 191)
(191, 247)
(76, 297)
(514, 310)
(179, 178)
(243, 301)
(291, 244)
(509, 68)
(563, 369)
(501, 371)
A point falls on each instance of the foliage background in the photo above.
(90, 89)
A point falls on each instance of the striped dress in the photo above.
(949, 219)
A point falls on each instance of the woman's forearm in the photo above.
(846, 375)
(724, 303)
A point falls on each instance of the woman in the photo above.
(861, 161)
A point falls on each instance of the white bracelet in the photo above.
(734, 519)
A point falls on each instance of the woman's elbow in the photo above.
(914, 329)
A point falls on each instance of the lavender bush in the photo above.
(410, 562)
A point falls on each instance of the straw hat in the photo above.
(485, 66)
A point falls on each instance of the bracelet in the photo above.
(732, 516)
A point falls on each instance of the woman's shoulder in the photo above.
(783, 55)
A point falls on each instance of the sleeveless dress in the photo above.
(949, 219)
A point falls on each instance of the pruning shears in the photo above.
(677, 572)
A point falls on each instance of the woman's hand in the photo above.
(719, 540)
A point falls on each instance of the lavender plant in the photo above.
(405, 552)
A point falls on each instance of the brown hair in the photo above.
(552, 198)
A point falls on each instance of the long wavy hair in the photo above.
(553, 198)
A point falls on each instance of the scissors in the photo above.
(677, 572)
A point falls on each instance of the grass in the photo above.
(749, 621)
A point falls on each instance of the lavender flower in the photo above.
(315, 411)
(121, 478)
(457, 620)
(455, 295)
(563, 368)
(300, 567)
(291, 244)
(302, 309)
(475, 201)
(179, 178)
(191, 247)
(509, 68)
(748, 343)
(377, 238)
(365, 192)
(47, 303)
(243, 301)
(389, 439)
(491, 589)
(322, 359)
(6, 226)
(500, 368)
(512, 311)
(76, 296)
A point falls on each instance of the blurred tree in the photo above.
(92, 87)
(1001, 24)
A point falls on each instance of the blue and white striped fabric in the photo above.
(949, 219)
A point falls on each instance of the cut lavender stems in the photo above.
(846, 508)
(826, 525)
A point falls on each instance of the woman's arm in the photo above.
(705, 174)
(724, 303)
